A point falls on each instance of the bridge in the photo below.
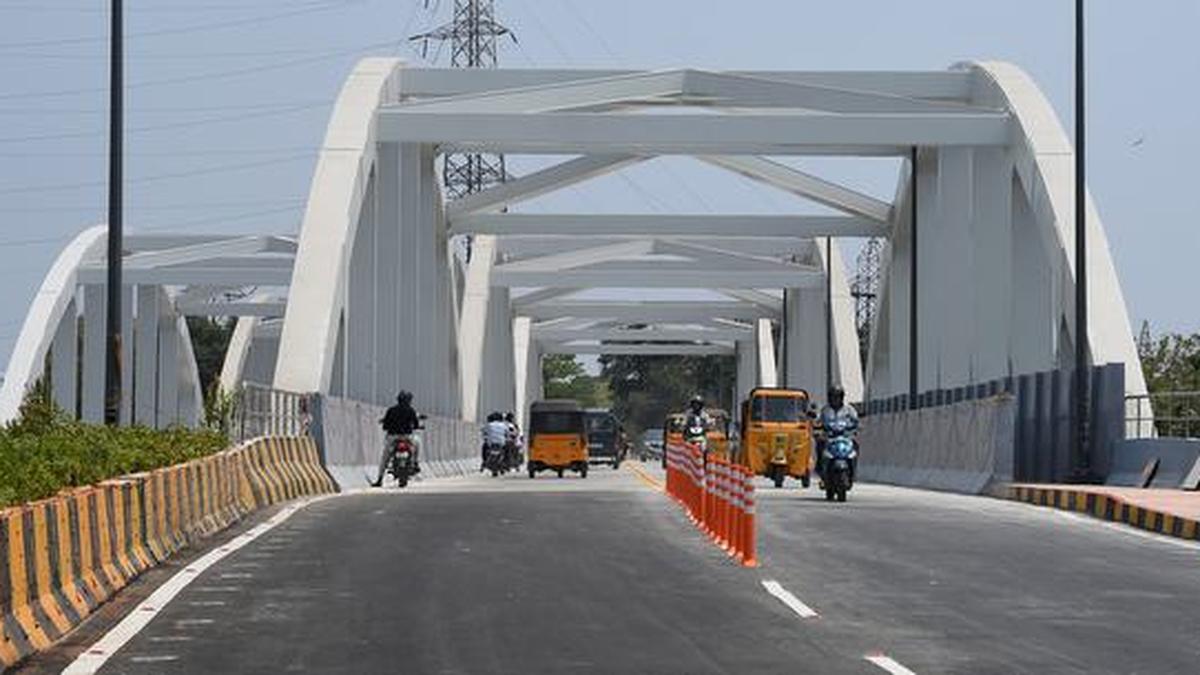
(368, 298)
(371, 296)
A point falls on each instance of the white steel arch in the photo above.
(374, 300)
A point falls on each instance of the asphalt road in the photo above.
(604, 575)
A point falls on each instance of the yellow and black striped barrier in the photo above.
(61, 557)
(1107, 506)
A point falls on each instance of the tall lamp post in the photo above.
(1081, 464)
(112, 369)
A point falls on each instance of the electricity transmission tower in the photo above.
(865, 291)
(473, 34)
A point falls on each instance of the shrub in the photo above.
(44, 451)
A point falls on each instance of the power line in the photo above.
(168, 125)
(182, 30)
(199, 77)
(183, 206)
(28, 189)
(162, 109)
(14, 243)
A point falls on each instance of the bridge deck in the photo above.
(603, 575)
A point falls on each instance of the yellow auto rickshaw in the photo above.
(777, 434)
(557, 438)
(718, 433)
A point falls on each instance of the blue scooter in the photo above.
(839, 455)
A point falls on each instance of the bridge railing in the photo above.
(259, 410)
(1174, 414)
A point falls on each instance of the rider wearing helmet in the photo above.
(835, 408)
(495, 432)
(400, 420)
(696, 417)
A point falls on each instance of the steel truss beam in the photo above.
(668, 225)
(647, 312)
(638, 349)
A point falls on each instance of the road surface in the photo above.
(604, 575)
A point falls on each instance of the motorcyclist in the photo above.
(400, 421)
(836, 408)
(696, 417)
(495, 432)
(514, 438)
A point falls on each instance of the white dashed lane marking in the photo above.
(888, 664)
(785, 596)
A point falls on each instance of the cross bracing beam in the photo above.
(685, 86)
(569, 95)
(541, 295)
(688, 133)
(539, 182)
(580, 257)
(668, 225)
(240, 276)
(647, 349)
(669, 334)
(265, 308)
(233, 246)
(660, 275)
(805, 185)
(952, 85)
(647, 312)
(519, 247)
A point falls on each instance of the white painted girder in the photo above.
(649, 311)
(658, 275)
(805, 185)
(638, 349)
(688, 134)
(667, 225)
(949, 85)
(652, 334)
(538, 183)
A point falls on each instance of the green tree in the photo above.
(564, 377)
(1171, 364)
(645, 389)
(210, 341)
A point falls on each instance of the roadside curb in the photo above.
(1106, 507)
(63, 557)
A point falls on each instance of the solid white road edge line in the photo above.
(774, 588)
(98, 654)
(889, 664)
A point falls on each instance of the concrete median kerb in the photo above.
(1168, 512)
(62, 557)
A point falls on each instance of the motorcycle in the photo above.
(839, 455)
(494, 459)
(402, 464)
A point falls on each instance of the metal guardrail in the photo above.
(259, 410)
(1173, 414)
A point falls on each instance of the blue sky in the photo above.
(229, 98)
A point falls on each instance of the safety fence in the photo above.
(718, 496)
(62, 557)
(260, 410)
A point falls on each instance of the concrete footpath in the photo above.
(1174, 513)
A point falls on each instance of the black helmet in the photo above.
(510, 417)
(836, 393)
(697, 402)
(495, 417)
(404, 396)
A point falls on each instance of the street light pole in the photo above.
(112, 370)
(1081, 463)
